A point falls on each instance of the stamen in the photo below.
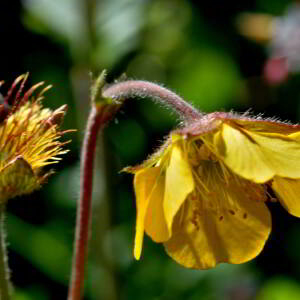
(199, 181)
(216, 187)
(231, 211)
(226, 174)
(269, 193)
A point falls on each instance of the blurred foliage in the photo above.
(280, 288)
(190, 46)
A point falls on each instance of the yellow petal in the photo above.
(259, 156)
(179, 184)
(288, 191)
(231, 223)
(295, 136)
(155, 221)
(269, 126)
(222, 237)
(148, 186)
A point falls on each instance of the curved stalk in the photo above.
(103, 110)
(139, 88)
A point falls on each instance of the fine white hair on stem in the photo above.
(161, 95)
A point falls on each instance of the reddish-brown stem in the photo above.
(100, 115)
(98, 118)
(142, 89)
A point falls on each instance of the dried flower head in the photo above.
(204, 193)
(29, 139)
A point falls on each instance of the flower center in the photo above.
(218, 190)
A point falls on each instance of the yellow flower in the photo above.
(204, 193)
(257, 27)
(29, 140)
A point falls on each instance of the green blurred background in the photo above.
(194, 48)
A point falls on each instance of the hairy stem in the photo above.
(143, 89)
(102, 112)
(98, 118)
(5, 288)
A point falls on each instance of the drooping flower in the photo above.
(204, 193)
(29, 139)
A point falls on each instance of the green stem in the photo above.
(5, 290)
